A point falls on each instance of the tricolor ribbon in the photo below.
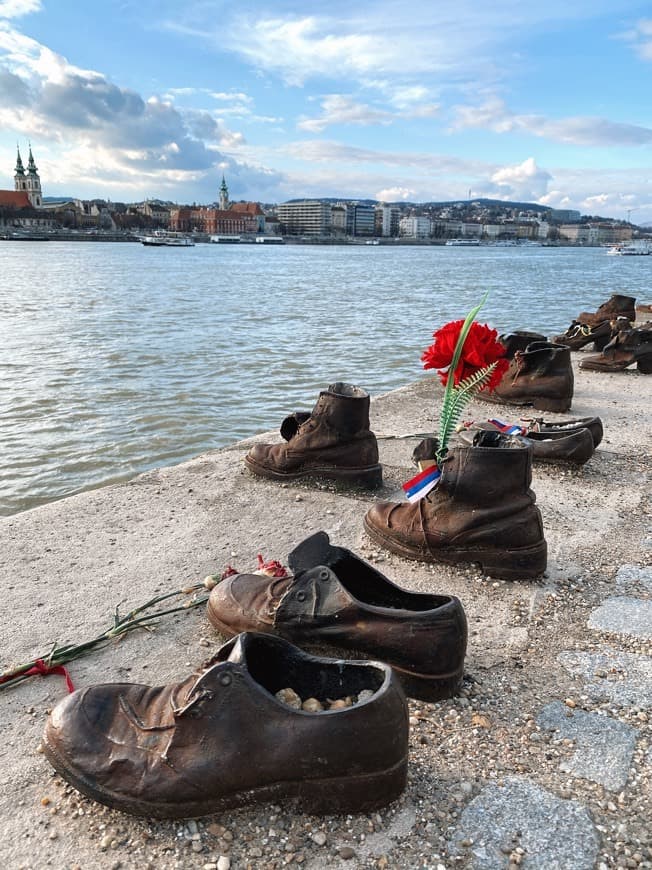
(421, 485)
(508, 428)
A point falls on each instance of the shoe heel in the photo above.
(432, 689)
(367, 478)
(644, 365)
(541, 403)
(527, 563)
(354, 794)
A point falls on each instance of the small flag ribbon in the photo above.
(40, 667)
(508, 428)
(420, 485)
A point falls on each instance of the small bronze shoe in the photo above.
(335, 599)
(575, 447)
(223, 738)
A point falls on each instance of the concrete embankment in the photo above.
(543, 761)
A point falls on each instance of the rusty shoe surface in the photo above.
(335, 599)
(334, 441)
(482, 511)
(541, 376)
(221, 738)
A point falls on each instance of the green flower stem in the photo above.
(60, 655)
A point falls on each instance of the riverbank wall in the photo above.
(545, 756)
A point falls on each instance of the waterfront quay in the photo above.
(545, 758)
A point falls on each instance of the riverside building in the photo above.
(305, 218)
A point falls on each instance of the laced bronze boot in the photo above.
(482, 510)
(334, 442)
(541, 376)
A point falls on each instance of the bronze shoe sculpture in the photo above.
(332, 442)
(518, 340)
(617, 306)
(575, 447)
(579, 335)
(481, 511)
(223, 737)
(541, 376)
(545, 427)
(336, 599)
(626, 348)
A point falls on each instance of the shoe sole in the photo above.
(541, 403)
(369, 477)
(423, 687)
(337, 795)
(524, 563)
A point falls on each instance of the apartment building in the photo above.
(305, 218)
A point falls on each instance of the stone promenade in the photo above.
(543, 761)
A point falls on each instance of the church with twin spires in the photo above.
(27, 185)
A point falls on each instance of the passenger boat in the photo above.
(226, 240)
(463, 243)
(169, 240)
(637, 248)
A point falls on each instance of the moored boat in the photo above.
(170, 240)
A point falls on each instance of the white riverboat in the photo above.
(463, 243)
(637, 248)
(169, 240)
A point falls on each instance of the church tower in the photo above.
(33, 182)
(28, 180)
(224, 195)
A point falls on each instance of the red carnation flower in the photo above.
(481, 349)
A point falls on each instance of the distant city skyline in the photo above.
(391, 101)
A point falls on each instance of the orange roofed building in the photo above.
(229, 219)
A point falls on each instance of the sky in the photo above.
(545, 102)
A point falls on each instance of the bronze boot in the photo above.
(334, 442)
(335, 599)
(541, 376)
(518, 340)
(617, 306)
(482, 510)
(232, 734)
(627, 347)
(578, 335)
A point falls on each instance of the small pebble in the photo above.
(312, 705)
(319, 837)
(289, 696)
(346, 853)
(570, 703)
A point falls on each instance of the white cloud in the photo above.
(342, 109)
(525, 181)
(494, 115)
(18, 8)
(641, 38)
(395, 194)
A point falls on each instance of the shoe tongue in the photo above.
(315, 550)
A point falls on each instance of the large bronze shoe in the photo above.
(628, 347)
(617, 306)
(222, 737)
(334, 599)
(332, 442)
(575, 447)
(541, 376)
(481, 511)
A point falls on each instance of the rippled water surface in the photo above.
(116, 358)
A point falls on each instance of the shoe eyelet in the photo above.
(301, 596)
(324, 574)
(225, 679)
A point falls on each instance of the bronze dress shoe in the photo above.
(335, 599)
(222, 738)
(544, 427)
(575, 447)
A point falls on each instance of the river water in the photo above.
(116, 358)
